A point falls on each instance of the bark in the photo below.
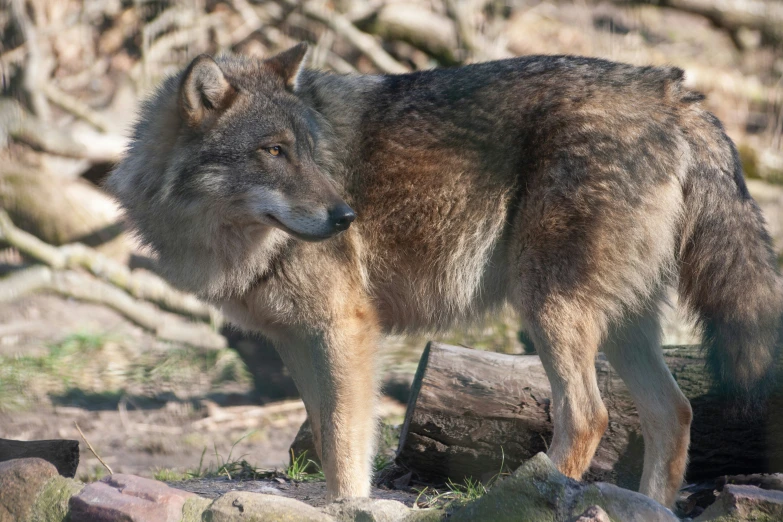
(64, 454)
(471, 412)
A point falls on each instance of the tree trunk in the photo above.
(64, 454)
(466, 405)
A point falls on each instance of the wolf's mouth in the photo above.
(299, 235)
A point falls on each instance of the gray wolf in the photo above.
(575, 189)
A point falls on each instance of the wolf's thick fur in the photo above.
(576, 189)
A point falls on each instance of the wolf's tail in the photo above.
(728, 271)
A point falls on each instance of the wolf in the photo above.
(326, 210)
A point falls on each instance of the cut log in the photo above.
(471, 412)
(64, 454)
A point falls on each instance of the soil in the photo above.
(137, 425)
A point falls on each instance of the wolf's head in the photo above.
(223, 168)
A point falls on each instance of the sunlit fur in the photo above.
(574, 189)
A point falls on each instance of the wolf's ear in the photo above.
(204, 90)
(288, 64)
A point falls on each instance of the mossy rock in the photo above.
(538, 492)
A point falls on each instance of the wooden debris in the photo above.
(64, 454)
(471, 412)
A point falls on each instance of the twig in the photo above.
(33, 70)
(460, 12)
(76, 285)
(142, 285)
(29, 244)
(74, 106)
(13, 56)
(23, 126)
(151, 54)
(417, 25)
(359, 39)
(108, 468)
(338, 64)
(731, 15)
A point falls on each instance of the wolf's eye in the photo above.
(274, 151)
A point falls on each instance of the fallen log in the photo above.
(64, 454)
(472, 412)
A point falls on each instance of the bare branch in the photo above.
(141, 285)
(83, 287)
(34, 68)
(359, 39)
(74, 106)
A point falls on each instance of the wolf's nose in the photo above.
(341, 216)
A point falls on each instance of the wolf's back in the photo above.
(728, 273)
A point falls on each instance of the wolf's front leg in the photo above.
(334, 371)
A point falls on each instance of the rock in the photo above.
(130, 499)
(193, 509)
(537, 491)
(372, 510)
(630, 506)
(739, 503)
(762, 480)
(53, 501)
(350, 509)
(403, 481)
(593, 514)
(21, 482)
(303, 443)
(243, 506)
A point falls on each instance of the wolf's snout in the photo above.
(341, 217)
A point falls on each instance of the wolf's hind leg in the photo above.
(634, 350)
(567, 337)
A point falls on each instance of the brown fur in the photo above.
(575, 189)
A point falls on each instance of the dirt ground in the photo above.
(144, 405)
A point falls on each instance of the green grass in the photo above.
(170, 475)
(458, 494)
(380, 462)
(94, 474)
(302, 469)
(23, 376)
(91, 369)
(229, 467)
(388, 440)
(455, 495)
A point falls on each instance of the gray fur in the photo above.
(574, 188)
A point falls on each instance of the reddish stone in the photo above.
(128, 498)
(21, 480)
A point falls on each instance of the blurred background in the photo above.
(157, 382)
